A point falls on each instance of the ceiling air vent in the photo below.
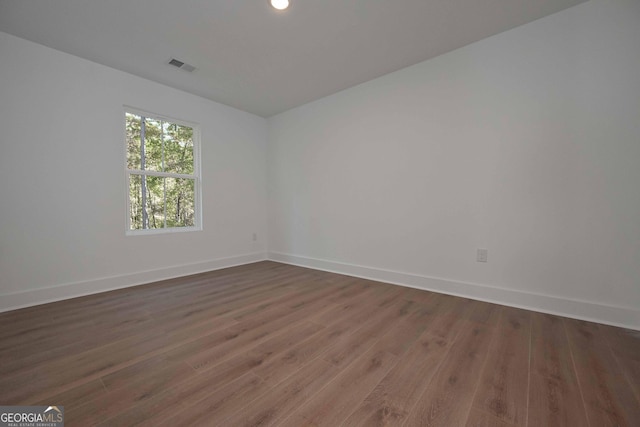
(181, 65)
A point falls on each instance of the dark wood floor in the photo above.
(271, 344)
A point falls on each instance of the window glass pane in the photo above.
(180, 202)
(135, 202)
(132, 124)
(178, 149)
(146, 202)
(153, 145)
(154, 200)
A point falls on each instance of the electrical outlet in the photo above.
(482, 255)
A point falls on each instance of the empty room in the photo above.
(320, 213)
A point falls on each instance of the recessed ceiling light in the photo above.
(279, 4)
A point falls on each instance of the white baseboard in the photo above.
(625, 317)
(72, 290)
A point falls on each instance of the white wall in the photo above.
(526, 143)
(62, 191)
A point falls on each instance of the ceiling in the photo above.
(252, 57)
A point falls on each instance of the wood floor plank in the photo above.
(160, 408)
(555, 402)
(630, 367)
(247, 307)
(45, 331)
(137, 372)
(224, 377)
(60, 344)
(212, 407)
(56, 377)
(198, 309)
(403, 334)
(77, 396)
(554, 394)
(123, 398)
(478, 418)
(223, 381)
(332, 404)
(344, 309)
(451, 315)
(625, 344)
(277, 403)
(351, 346)
(299, 355)
(550, 352)
(267, 350)
(609, 401)
(448, 398)
(248, 332)
(501, 392)
(392, 399)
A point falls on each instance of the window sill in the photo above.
(156, 231)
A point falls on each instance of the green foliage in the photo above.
(160, 202)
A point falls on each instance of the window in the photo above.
(162, 174)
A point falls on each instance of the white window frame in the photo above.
(196, 174)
